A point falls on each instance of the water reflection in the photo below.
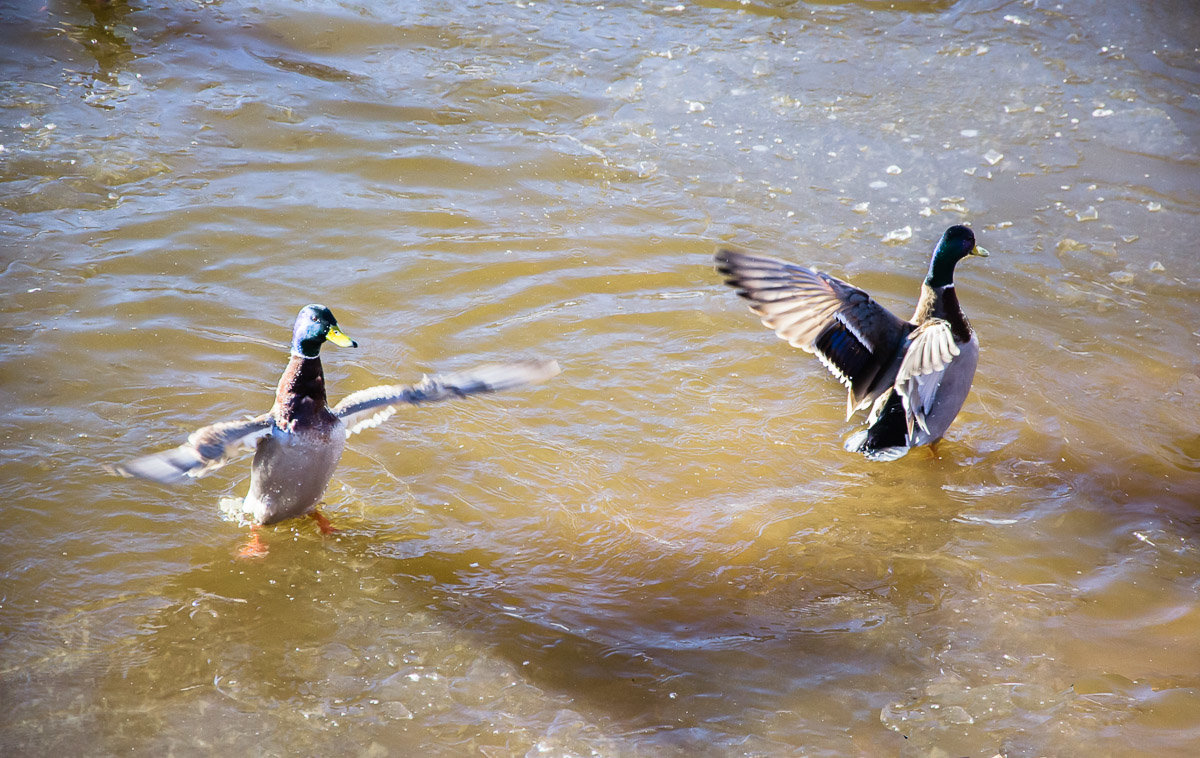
(106, 38)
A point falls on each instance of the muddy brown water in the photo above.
(665, 550)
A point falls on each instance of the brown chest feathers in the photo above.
(300, 399)
(943, 303)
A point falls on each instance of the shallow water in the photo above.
(664, 551)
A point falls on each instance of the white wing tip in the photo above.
(372, 421)
(168, 467)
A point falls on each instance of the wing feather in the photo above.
(855, 337)
(371, 407)
(206, 450)
(931, 350)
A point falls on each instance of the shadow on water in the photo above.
(771, 625)
(359, 624)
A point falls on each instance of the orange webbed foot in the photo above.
(254, 547)
(323, 523)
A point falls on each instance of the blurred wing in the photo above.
(855, 337)
(931, 350)
(206, 450)
(371, 407)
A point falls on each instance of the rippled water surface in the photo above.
(665, 550)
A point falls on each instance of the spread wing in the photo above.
(855, 337)
(206, 450)
(931, 350)
(371, 407)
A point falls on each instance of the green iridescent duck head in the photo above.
(956, 243)
(314, 325)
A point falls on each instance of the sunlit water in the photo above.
(665, 550)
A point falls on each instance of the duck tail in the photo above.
(886, 439)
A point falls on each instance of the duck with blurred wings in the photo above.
(298, 443)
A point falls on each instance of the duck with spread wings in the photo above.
(298, 443)
(914, 375)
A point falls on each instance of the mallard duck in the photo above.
(913, 374)
(299, 441)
